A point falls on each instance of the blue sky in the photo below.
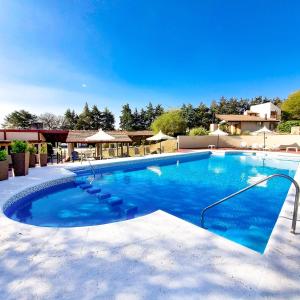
(59, 54)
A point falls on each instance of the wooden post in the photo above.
(122, 150)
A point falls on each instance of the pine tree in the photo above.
(126, 118)
(108, 120)
(96, 118)
(143, 120)
(159, 110)
(84, 120)
(136, 120)
(19, 119)
(150, 115)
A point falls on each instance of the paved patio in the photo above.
(157, 256)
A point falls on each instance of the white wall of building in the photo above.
(265, 109)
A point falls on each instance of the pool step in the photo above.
(93, 190)
(130, 210)
(114, 201)
(103, 196)
(80, 182)
(85, 186)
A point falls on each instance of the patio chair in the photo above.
(74, 156)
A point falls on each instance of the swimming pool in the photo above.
(180, 185)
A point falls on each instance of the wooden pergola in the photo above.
(79, 136)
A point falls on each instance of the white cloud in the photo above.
(84, 85)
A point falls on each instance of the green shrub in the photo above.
(43, 149)
(19, 146)
(286, 126)
(171, 123)
(198, 131)
(3, 155)
(32, 149)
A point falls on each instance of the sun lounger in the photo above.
(243, 145)
(255, 146)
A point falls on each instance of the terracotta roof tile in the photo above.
(244, 118)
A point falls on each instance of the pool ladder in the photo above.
(296, 203)
(93, 171)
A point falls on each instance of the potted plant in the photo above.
(32, 156)
(43, 156)
(3, 165)
(20, 157)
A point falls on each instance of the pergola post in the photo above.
(70, 148)
(122, 150)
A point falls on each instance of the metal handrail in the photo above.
(93, 171)
(296, 203)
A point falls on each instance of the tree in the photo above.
(60, 122)
(198, 131)
(291, 106)
(150, 115)
(108, 120)
(136, 120)
(171, 123)
(204, 116)
(286, 126)
(71, 119)
(51, 121)
(126, 118)
(158, 111)
(143, 120)
(19, 119)
(190, 115)
(96, 118)
(84, 120)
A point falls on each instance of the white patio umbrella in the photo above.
(218, 133)
(263, 131)
(160, 137)
(99, 138)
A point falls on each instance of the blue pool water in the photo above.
(181, 186)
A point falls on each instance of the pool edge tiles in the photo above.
(58, 181)
(31, 190)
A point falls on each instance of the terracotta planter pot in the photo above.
(20, 163)
(3, 169)
(32, 161)
(43, 159)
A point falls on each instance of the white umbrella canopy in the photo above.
(263, 131)
(217, 133)
(160, 137)
(100, 137)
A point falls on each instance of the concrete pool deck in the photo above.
(157, 256)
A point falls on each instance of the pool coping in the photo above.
(279, 244)
(69, 176)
